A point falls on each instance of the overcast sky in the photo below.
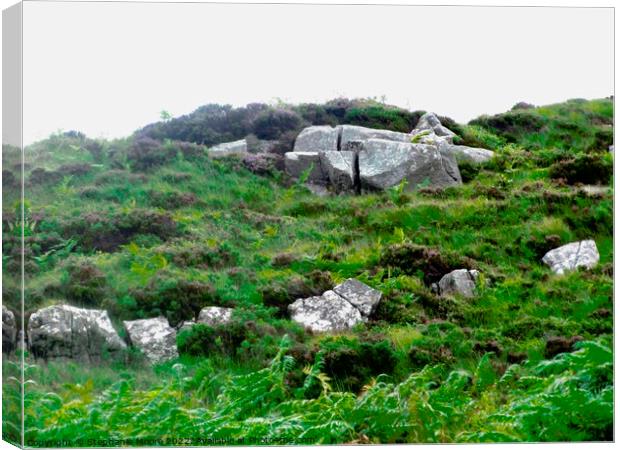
(107, 69)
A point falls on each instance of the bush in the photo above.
(84, 283)
(146, 153)
(175, 298)
(202, 256)
(512, 125)
(272, 123)
(587, 169)
(171, 199)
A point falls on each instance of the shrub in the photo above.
(588, 169)
(84, 283)
(146, 153)
(171, 199)
(175, 298)
(512, 125)
(272, 123)
(200, 255)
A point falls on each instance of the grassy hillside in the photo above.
(149, 225)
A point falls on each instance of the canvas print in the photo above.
(296, 224)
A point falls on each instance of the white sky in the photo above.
(109, 68)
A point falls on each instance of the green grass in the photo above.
(464, 370)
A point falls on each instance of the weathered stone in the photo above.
(319, 190)
(296, 163)
(384, 164)
(317, 139)
(353, 133)
(430, 122)
(64, 331)
(154, 337)
(329, 312)
(459, 282)
(340, 168)
(215, 315)
(571, 256)
(363, 297)
(239, 147)
(9, 330)
(471, 155)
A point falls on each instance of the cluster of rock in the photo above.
(340, 308)
(87, 335)
(64, 331)
(350, 158)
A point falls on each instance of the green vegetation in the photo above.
(149, 226)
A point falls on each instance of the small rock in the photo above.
(155, 337)
(239, 147)
(186, 325)
(461, 282)
(363, 297)
(329, 312)
(9, 330)
(340, 168)
(471, 155)
(571, 256)
(64, 331)
(215, 315)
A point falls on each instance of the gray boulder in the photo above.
(384, 164)
(472, 155)
(351, 134)
(9, 330)
(63, 331)
(458, 282)
(571, 256)
(215, 315)
(329, 312)
(239, 147)
(317, 139)
(340, 168)
(363, 297)
(154, 337)
(430, 123)
(296, 163)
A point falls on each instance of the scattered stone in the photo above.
(317, 139)
(239, 147)
(296, 163)
(329, 312)
(340, 168)
(318, 189)
(571, 256)
(9, 330)
(215, 315)
(155, 337)
(460, 282)
(384, 164)
(363, 297)
(594, 190)
(64, 331)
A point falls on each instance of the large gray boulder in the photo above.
(571, 256)
(239, 147)
(329, 312)
(340, 168)
(154, 337)
(361, 296)
(384, 164)
(215, 315)
(317, 139)
(472, 155)
(458, 282)
(351, 134)
(9, 330)
(64, 331)
(296, 163)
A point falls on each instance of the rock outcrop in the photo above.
(63, 331)
(350, 158)
(348, 304)
(571, 256)
(154, 337)
(9, 330)
(458, 282)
